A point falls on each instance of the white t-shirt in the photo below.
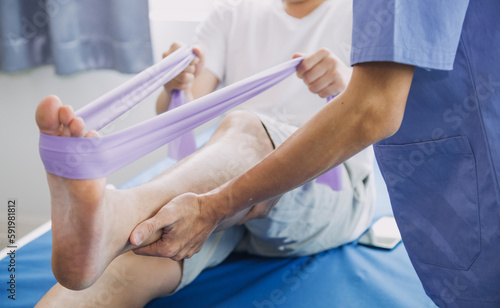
(244, 37)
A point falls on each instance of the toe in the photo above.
(92, 133)
(77, 127)
(66, 115)
(47, 115)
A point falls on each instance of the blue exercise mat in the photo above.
(348, 276)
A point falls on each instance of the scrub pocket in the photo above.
(433, 189)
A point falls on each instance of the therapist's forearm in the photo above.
(370, 109)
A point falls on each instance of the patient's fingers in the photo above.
(323, 73)
(191, 68)
(310, 61)
(173, 47)
(321, 83)
(195, 62)
(184, 80)
(200, 58)
(330, 90)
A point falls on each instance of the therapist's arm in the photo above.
(370, 109)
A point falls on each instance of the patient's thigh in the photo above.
(310, 219)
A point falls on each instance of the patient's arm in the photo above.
(195, 80)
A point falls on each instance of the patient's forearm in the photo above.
(203, 84)
(162, 102)
(164, 99)
(370, 109)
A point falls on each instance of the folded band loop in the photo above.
(116, 102)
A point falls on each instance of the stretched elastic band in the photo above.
(90, 158)
(185, 145)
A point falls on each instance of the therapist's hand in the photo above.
(186, 225)
(184, 80)
(323, 73)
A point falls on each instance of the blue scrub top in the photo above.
(442, 166)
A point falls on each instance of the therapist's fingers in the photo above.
(158, 249)
(149, 227)
(195, 245)
(162, 248)
(185, 253)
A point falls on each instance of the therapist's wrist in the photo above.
(218, 204)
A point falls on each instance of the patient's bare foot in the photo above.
(90, 225)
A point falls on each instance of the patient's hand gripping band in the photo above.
(90, 158)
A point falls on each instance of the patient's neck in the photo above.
(300, 8)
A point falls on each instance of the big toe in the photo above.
(47, 115)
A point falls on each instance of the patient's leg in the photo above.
(129, 281)
(91, 224)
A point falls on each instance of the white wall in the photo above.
(21, 172)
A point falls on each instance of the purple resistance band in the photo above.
(185, 145)
(91, 158)
(332, 178)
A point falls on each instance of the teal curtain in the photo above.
(75, 35)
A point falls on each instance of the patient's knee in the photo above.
(242, 122)
(244, 128)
